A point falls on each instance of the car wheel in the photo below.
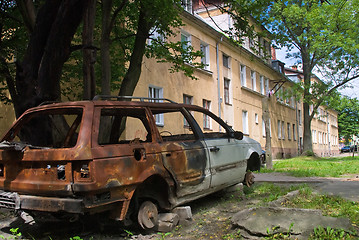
(148, 215)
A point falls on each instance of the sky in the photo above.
(351, 91)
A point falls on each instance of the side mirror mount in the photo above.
(238, 135)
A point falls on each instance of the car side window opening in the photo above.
(218, 128)
(48, 129)
(174, 129)
(121, 126)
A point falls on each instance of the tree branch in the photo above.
(116, 12)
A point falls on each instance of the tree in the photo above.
(325, 33)
(122, 33)
(38, 68)
(348, 117)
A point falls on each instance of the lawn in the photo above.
(317, 167)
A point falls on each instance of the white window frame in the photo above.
(283, 131)
(267, 85)
(187, 5)
(243, 75)
(245, 122)
(188, 42)
(261, 83)
(207, 123)
(155, 35)
(228, 62)
(254, 80)
(256, 118)
(294, 133)
(205, 59)
(227, 94)
(156, 92)
(185, 98)
(279, 129)
(289, 131)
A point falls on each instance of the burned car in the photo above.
(128, 159)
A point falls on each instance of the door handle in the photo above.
(214, 149)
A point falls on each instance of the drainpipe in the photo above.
(218, 79)
(297, 123)
(328, 132)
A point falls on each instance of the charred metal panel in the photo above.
(187, 162)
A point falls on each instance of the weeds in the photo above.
(331, 234)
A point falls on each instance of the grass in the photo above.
(316, 167)
(329, 205)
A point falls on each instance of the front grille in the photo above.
(9, 200)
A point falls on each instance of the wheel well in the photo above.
(254, 163)
(154, 188)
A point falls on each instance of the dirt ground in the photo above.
(211, 220)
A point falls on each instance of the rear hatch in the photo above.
(37, 154)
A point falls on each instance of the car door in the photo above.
(225, 152)
(184, 154)
(228, 163)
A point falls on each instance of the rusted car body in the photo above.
(87, 157)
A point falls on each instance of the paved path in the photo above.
(347, 188)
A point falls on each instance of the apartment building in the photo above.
(233, 84)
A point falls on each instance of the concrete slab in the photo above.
(262, 221)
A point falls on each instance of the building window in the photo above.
(187, 5)
(256, 118)
(283, 131)
(205, 58)
(289, 131)
(267, 85)
(261, 83)
(294, 135)
(254, 82)
(206, 118)
(156, 93)
(185, 40)
(226, 61)
(279, 130)
(187, 99)
(155, 37)
(227, 85)
(245, 122)
(299, 117)
(243, 75)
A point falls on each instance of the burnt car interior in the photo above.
(57, 128)
(123, 125)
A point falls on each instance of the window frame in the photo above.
(159, 118)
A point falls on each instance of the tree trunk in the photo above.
(105, 48)
(268, 146)
(38, 75)
(307, 133)
(89, 53)
(134, 71)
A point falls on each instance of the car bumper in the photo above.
(15, 201)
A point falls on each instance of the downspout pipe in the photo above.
(219, 79)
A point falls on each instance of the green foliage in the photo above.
(274, 234)
(333, 206)
(348, 116)
(317, 167)
(330, 234)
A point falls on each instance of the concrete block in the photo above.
(165, 226)
(167, 222)
(184, 213)
(168, 217)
